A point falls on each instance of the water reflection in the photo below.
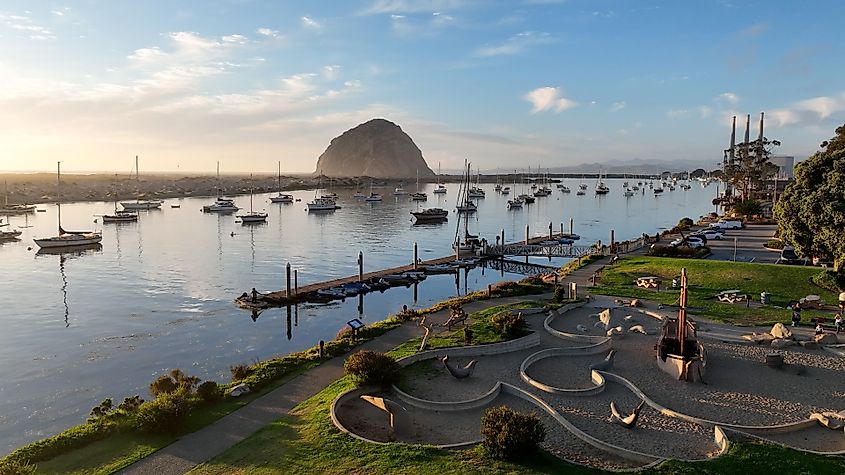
(66, 253)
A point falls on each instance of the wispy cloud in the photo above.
(310, 23)
(26, 26)
(548, 98)
(756, 29)
(809, 111)
(677, 113)
(267, 32)
(729, 97)
(617, 106)
(412, 6)
(416, 26)
(515, 44)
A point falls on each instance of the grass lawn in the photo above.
(708, 278)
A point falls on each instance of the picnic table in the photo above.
(731, 296)
(648, 282)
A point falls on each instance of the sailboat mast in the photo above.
(59, 195)
(250, 193)
(280, 176)
(218, 180)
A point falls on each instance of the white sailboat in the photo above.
(139, 203)
(67, 238)
(221, 205)
(418, 195)
(400, 190)
(466, 244)
(15, 209)
(476, 191)
(373, 196)
(601, 188)
(281, 197)
(252, 216)
(440, 188)
(322, 203)
(119, 216)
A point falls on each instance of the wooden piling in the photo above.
(550, 230)
(570, 226)
(360, 266)
(287, 278)
(526, 234)
(415, 256)
(295, 281)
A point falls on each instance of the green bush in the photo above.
(71, 439)
(774, 244)
(369, 368)
(165, 414)
(686, 222)
(508, 324)
(209, 391)
(240, 371)
(162, 385)
(749, 207)
(16, 467)
(102, 409)
(509, 434)
(130, 404)
(560, 294)
(830, 280)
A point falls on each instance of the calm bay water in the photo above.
(77, 328)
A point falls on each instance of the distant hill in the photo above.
(377, 148)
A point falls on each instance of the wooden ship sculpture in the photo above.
(679, 352)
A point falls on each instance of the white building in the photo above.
(785, 165)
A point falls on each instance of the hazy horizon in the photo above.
(550, 83)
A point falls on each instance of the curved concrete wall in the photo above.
(597, 378)
(518, 344)
(447, 406)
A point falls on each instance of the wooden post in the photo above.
(561, 228)
(502, 232)
(612, 240)
(550, 230)
(489, 290)
(287, 278)
(570, 226)
(415, 255)
(295, 282)
(526, 234)
(360, 266)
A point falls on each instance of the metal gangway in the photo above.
(540, 249)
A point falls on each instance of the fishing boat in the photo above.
(430, 215)
(67, 238)
(679, 353)
(281, 197)
(139, 203)
(15, 209)
(253, 216)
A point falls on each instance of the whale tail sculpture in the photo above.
(606, 363)
(628, 421)
(457, 371)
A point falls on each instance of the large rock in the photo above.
(780, 331)
(377, 148)
(781, 343)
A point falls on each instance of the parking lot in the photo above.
(747, 243)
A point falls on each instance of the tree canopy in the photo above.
(811, 211)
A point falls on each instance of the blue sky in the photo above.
(504, 84)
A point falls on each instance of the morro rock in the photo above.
(377, 148)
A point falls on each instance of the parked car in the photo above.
(788, 256)
(709, 234)
(693, 243)
(727, 224)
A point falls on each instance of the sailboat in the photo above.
(67, 238)
(139, 203)
(418, 195)
(15, 209)
(119, 216)
(476, 191)
(373, 196)
(252, 216)
(400, 190)
(281, 197)
(601, 188)
(498, 186)
(322, 203)
(221, 205)
(469, 244)
(582, 186)
(440, 188)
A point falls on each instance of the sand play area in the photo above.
(562, 372)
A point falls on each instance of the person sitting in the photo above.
(819, 329)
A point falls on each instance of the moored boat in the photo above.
(67, 239)
(140, 204)
(430, 215)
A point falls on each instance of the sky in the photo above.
(505, 84)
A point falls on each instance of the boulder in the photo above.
(828, 419)
(808, 345)
(781, 343)
(377, 148)
(826, 339)
(780, 331)
(636, 303)
(760, 338)
(239, 390)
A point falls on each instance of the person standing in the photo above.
(796, 314)
(838, 322)
(841, 302)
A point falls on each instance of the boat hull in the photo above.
(141, 204)
(70, 240)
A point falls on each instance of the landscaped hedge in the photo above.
(774, 244)
(679, 251)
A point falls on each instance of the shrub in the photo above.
(162, 385)
(508, 324)
(71, 439)
(774, 244)
(371, 368)
(130, 404)
(532, 280)
(830, 280)
(559, 295)
(685, 222)
(165, 414)
(16, 467)
(240, 371)
(345, 332)
(101, 409)
(209, 391)
(407, 314)
(748, 207)
(509, 434)
(504, 286)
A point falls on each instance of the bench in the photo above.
(649, 282)
(731, 296)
